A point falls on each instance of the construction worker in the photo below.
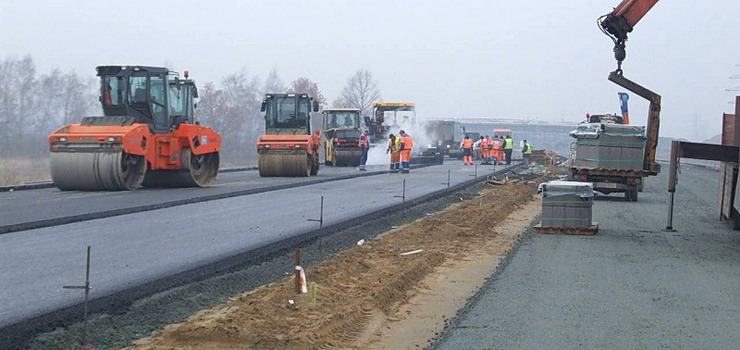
(526, 150)
(480, 147)
(406, 145)
(394, 148)
(467, 147)
(496, 146)
(489, 150)
(476, 149)
(364, 144)
(508, 148)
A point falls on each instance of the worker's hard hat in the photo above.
(367, 131)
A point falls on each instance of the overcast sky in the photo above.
(502, 59)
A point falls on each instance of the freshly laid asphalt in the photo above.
(135, 249)
(631, 286)
(26, 209)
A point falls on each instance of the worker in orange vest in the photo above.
(364, 144)
(483, 146)
(489, 151)
(394, 148)
(498, 147)
(406, 145)
(467, 147)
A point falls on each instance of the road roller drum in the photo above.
(97, 171)
(282, 164)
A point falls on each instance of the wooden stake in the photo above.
(297, 271)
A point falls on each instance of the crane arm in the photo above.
(621, 21)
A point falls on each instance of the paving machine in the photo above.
(390, 117)
(342, 135)
(147, 136)
(288, 147)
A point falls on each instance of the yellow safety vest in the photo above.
(394, 145)
(527, 149)
(509, 144)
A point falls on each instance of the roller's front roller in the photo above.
(284, 164)
(347, 157)
(199, 170)
(97, 171)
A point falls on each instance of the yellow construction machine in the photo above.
(342, 134)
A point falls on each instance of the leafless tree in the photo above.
(31, 107)
(233, 111)
(305, 85)
(273, 83)
(360, 92)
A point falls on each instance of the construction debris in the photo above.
(412, 252)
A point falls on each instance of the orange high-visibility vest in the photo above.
(490, 143)
(467, 143)
(363, 142)
(406, 142)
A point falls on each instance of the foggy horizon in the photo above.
(545, 61)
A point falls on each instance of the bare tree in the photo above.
(304, 85)
(233, 111)
(360, 92)
(273, 83)
(31, 107)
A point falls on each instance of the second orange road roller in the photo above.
(147, 136)
(288, 148)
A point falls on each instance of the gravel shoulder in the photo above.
(631, 286)
(366, 290)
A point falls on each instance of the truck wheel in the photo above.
(633, 194)
(735, 219)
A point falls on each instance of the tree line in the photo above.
(33, 105)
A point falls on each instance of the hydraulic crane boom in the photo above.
(619, 22)
(616, 25)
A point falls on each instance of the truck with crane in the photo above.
(617, 24)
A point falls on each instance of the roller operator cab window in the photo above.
(304, 110)
(157, 101)
(137, 88)
(179, 100)
(343, 120)
(286, 111)
(112, 90)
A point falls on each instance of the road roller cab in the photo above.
(146, 136)
(342, 135)
(288, 148)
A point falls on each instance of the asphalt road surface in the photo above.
(50, 204)
(631, 286)
(134, 249)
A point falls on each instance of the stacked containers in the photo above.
(609, 146)
(566, 204)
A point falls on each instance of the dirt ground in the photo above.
(18, 171)
(370, 296)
